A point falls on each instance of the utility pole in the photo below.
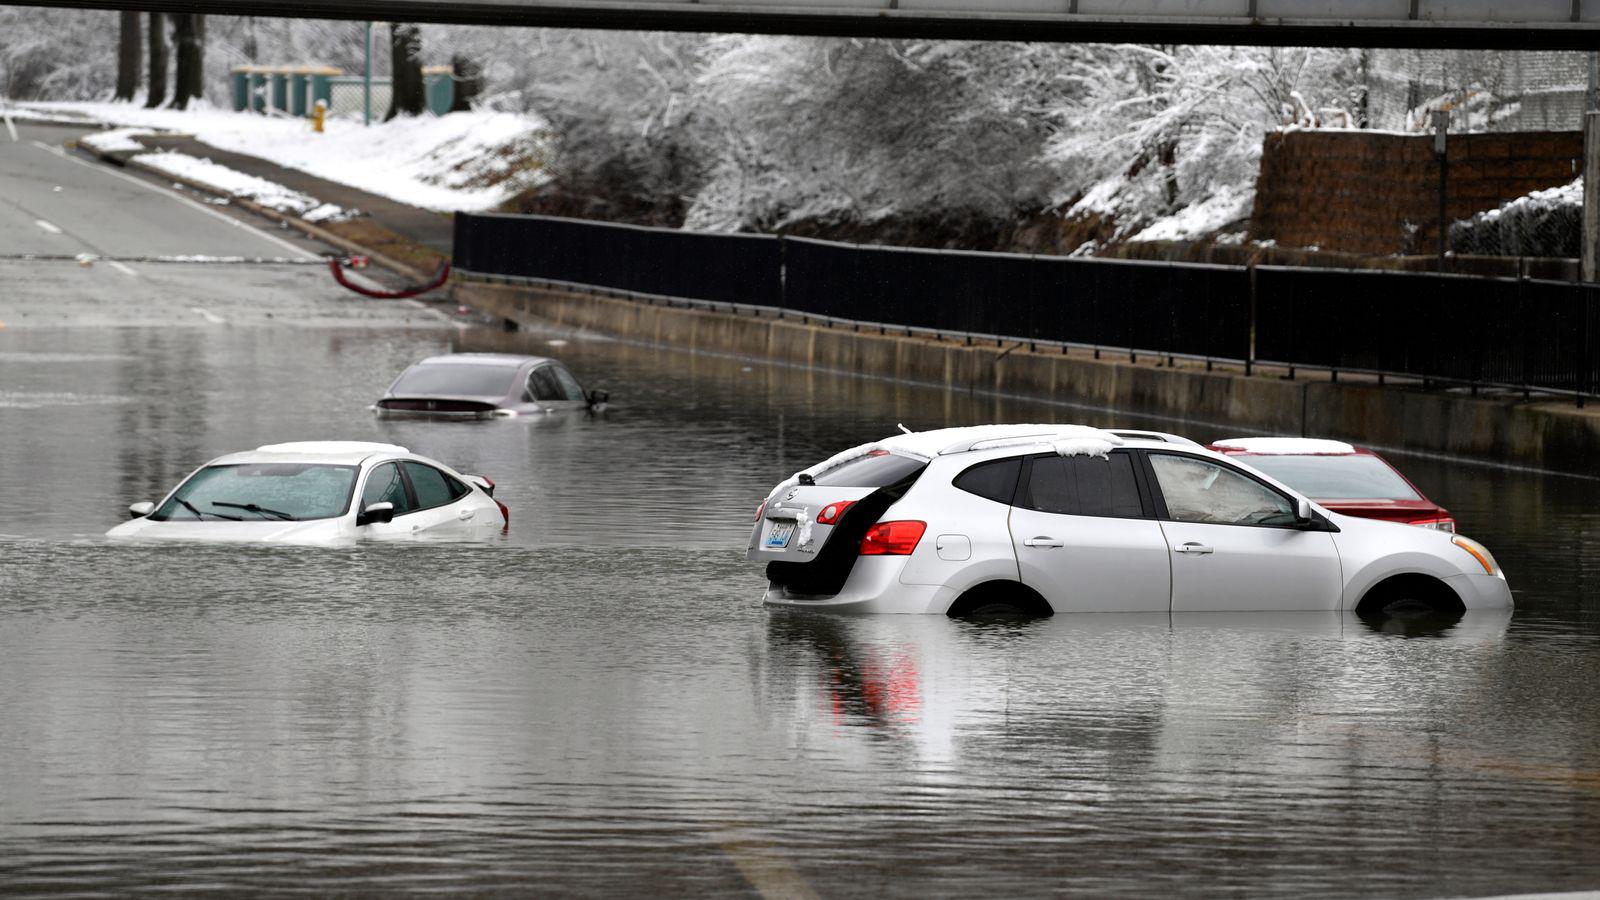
(1441, 135)
(366, 80)
(1591, 175)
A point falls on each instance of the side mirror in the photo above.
(598, 397)
(378, 513)
(140, 510)
(1302, 511)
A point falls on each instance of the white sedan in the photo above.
(320, 492)
(1053, 518)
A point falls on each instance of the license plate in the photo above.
(778, 537)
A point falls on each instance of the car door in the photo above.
(1085, 537)
(1233, 541)
(385, 484)
(546, 386)
(439, 497)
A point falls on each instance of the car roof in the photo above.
(1018, 437)
(1286, 446)
(484, 359)
(330, 452)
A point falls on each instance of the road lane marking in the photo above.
(208, 315)
(300, 252)
(47, 226)
(124, 269)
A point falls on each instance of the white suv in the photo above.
(1063, 518)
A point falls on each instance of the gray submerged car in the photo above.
(481, 385)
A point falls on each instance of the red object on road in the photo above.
(1351, 480)
(337, 266)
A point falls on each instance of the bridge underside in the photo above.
(1523, 25)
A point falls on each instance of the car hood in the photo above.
(320, 531)
(1383, 509)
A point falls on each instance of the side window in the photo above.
(543, 385)
(569, 385)
(1083, 486)
(1197, 490)
(995, 480)
(384, 485)
(433, 487)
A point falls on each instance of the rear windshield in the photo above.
(1336, 477)
(458, 379)
(877, 469)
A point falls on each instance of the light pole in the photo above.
(366, 79)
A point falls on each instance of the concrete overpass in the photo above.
(1502, 24)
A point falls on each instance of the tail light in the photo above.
(504, 513)
(830, 514)
(892, 538)
(761, 509)
(1443, 523)
(488, 485)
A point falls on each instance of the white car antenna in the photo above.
(902, 427)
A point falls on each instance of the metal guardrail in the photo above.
(1515, 335)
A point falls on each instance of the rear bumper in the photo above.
(873, 587)
(1482, 591)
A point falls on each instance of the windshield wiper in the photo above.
(251, 507)
(200, 515)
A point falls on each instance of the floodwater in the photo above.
(596, 703)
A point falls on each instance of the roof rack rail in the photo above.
(1162, 436)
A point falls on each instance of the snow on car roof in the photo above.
(482, 359)
(331, 448)
(1281, 446)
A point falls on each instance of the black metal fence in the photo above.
(1482, 331)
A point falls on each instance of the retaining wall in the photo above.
(1554, 435)
(1377, 193)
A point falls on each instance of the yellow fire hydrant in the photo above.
(318, 113)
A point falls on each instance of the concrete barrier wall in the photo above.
(1554, 435)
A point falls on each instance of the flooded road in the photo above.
(596, 703)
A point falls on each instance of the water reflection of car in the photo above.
(1054, 518)
(482, 385)
(320, 492)
(1346, 479)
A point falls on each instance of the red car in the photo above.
(1345, 479)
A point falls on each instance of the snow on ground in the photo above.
(1227, 206)
(227, 181)
(468, 161)
(117, 140)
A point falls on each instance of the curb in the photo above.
(127, 160)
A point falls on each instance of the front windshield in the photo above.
(1336, 477)
(455, 380)
(262, 492)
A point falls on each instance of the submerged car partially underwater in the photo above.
(1041, 519)
(320, 492)
(485, 385)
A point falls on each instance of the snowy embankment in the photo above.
(468, 161)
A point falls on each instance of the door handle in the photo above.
(1194, 549)
(465, 514)
(1046, 542)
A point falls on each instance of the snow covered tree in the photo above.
(57, 53)
(802, 129)
(1157, 129)
(407, 96)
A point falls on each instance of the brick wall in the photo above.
(1378, 193)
